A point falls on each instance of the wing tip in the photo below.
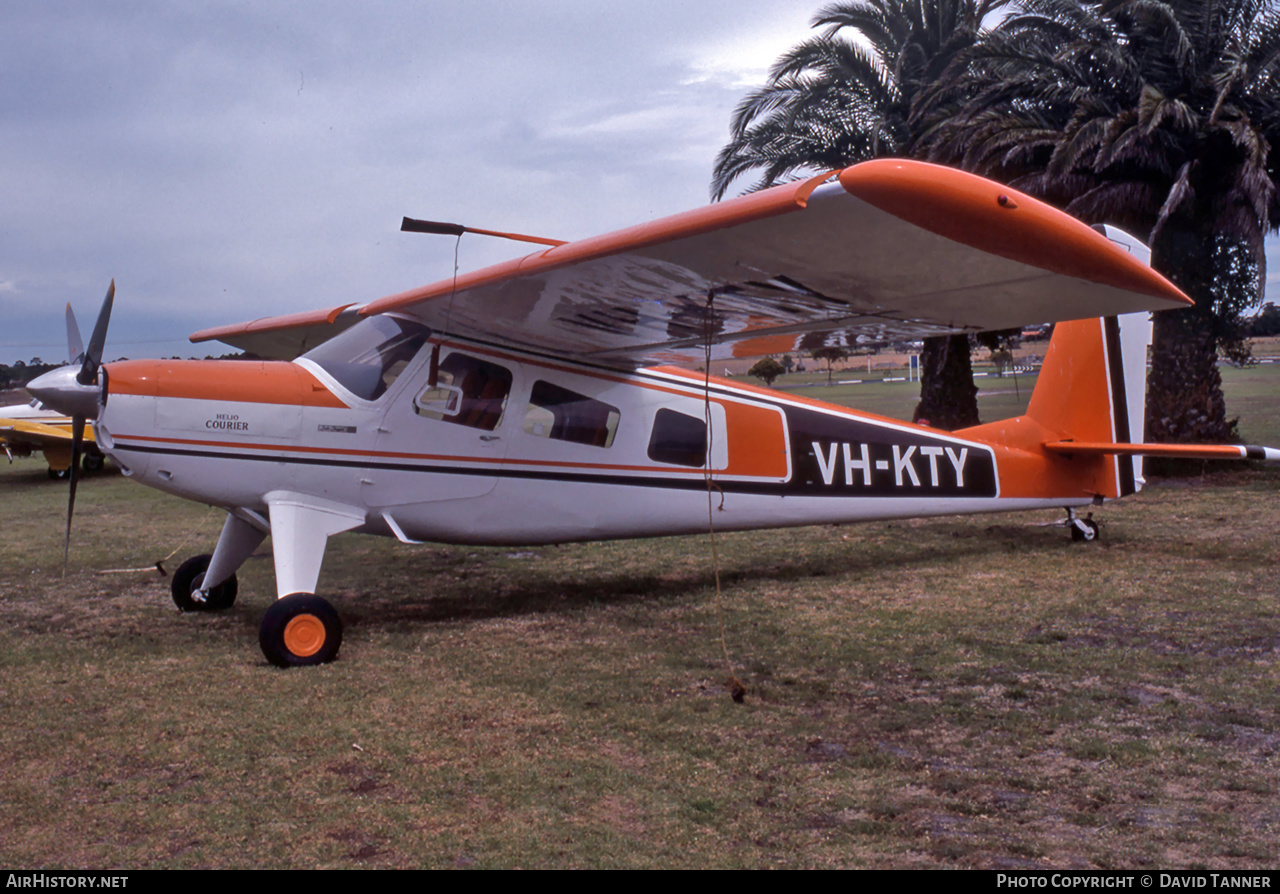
(1002, 221)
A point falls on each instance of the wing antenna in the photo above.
(439, 228)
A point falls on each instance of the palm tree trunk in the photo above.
(1184, 390)
(948, 397)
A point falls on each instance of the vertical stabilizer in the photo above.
(1092, 385)
(1092, 388)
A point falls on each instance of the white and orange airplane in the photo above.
(521, 404)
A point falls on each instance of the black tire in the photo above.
(93, 462)
(1080, 535)
(188, 578)
(59, 474)
(299, 630)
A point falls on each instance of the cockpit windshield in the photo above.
(369, 356)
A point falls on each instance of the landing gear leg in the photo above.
(1083, 530)
(208, 583)
(188, 584)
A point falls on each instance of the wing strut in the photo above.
(737, 690)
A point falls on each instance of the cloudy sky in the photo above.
(226, 161)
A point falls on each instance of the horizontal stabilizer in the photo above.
(1175, 451)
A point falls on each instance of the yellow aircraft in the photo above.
(26, 428)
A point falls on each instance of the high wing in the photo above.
(879, 251)
(284, 337)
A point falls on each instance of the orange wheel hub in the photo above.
(304, 635)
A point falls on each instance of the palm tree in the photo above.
(1163, 117)
(848, 95)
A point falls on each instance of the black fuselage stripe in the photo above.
(741, 487)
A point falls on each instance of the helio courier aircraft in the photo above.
(538, 401)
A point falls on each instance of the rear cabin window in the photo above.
(468, 391)
(678, 439)
(564, 415)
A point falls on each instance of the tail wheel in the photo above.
(186, 585)
(300, 629)
(1084, 530)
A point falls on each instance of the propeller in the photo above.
(93, 356)
(75, 347)
(77, 393)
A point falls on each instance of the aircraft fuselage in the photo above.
(503, 447)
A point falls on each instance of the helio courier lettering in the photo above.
(226, 422)
(858, 466)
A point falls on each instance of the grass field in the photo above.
(958, 693)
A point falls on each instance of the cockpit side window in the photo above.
(468, 391)
(368, 357)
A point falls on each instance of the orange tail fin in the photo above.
(1091, 389)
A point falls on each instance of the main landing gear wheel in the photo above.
(300, 629)
(186, 585)
(93, 462)
(59, 474)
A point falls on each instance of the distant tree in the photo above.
(1265, 322)
(788, 363)
(1000, 344)
(766, 370)
(829, 355)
